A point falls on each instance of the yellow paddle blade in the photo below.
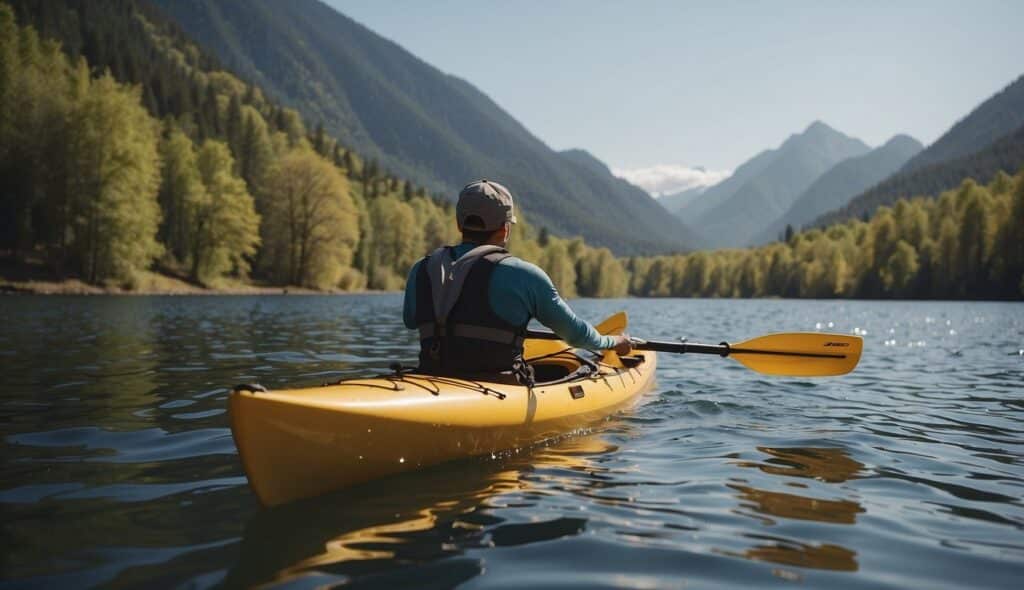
(800, 354)
(613, 326)
(535, 348)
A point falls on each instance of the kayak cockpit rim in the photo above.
(564, 366)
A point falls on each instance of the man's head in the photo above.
(485, 213)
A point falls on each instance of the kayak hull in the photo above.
(301, 443)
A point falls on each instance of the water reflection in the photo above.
(824, 464)
(416, 519)
(120, 471)
(786, 552)
(798, 507)
(829, 465)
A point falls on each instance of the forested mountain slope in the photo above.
(778, 179)
(423, 124)
(136, 162)
(834, 189)
(988, 122)
(1004, 155)
(966, 243)
(986, 141)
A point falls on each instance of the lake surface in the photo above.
(119, 469)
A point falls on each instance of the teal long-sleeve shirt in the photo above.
(520, 291)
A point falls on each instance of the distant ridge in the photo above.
(676, 202)
(834, 189)
(998, 115)
(715, 194)
(433, 128)
(765, 187)
(1005, 154)
(987, 140)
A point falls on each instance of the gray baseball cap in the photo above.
(488, 201)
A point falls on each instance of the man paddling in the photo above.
(472, 302)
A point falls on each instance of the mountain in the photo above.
(715, 194)
(765, 187)
(1004, 155)
(421, 123)
(988, 140)
(677, 201)
(991, 120)
(834, 189)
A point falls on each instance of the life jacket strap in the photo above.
(500, 336)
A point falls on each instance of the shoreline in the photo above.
(157, 284)
(164, 287)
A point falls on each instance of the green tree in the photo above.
(310, 225)
(900, 270)
(977, 233)
(233, 124)
(559, 266)
(600, 274)
(224, 226)
(398, 241)
(179, 186)
(113, 145)
(255, 152)
(1009, 268)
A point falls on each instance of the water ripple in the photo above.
(120, 469)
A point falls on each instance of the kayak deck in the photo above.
(297, 443)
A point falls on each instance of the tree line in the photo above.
(967, 243)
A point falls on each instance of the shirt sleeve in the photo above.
(409, 305)
(552, 311)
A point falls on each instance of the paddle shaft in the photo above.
(722, 349)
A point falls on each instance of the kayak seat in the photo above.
(550, 372)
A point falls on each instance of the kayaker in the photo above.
(472, 302)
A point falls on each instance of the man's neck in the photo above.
(477, 244)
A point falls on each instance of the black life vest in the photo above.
(459, 332)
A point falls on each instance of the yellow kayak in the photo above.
(298, 443)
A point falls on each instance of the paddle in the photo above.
(794, 354)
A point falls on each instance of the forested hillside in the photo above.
(1004, 155)
(124, 148)
(988, 140)
(423, 124)
(985, 124)
(966, 244)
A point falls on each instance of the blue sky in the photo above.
(681, 84)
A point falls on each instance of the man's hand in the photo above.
(622, 344)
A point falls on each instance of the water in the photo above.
(119, 469)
